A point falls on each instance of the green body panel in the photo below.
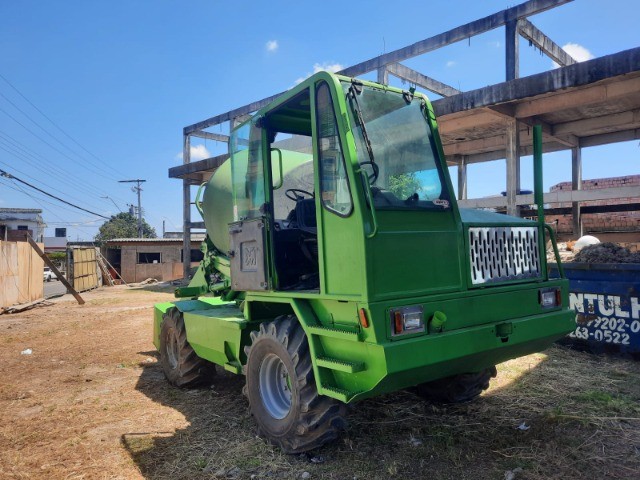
(371, 261)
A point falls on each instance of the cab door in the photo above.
(248, 253)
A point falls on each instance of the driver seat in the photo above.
(306, 216)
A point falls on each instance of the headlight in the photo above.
(405, 320)
(550, 297)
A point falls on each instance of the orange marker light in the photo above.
(364, 321)
(398, 322)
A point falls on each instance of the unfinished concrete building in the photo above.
(579, 105)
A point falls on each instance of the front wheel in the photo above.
(457, 388)
(282, 390)
(181, 365)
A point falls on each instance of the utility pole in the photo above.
(138, 190)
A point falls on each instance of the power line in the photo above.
(69, 177)
(55, 124)
(38, 180)
(51, 146)
(8, 175)
(17, 188)
(70, 225)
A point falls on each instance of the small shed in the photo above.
(137, 259)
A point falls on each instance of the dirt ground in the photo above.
(91, 401)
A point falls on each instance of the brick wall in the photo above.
(601, 222)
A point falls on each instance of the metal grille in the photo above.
(500, 254)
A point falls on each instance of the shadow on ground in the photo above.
(402, 436)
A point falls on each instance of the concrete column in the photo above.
(186, 211)
(513, 165)
(462, 178)
(512, 50)
(383, 76)
(576, 184)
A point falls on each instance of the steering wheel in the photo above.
(376, 171)
(296, 194)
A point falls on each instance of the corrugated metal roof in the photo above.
(151, 240)
(20, 210)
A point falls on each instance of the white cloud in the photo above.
(317, 67)
(451, 63)
(271, 45)
(578, 52)
(198, 152)
(495, 44)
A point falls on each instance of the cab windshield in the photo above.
(395, 148)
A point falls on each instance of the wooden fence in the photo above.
(20, 274)
(82, 268)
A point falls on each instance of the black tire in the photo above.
(182, 367)
(458, 388)
(307, 421)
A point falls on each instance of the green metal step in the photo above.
(337, 393)
(334, 332)
(233, 367)
(340, 365)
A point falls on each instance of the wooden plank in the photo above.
(49, 263)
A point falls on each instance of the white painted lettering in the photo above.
(576, 301)
(606, 305)
(635, 308)
(590, 298)
(620, 312)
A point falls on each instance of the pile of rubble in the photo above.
(595, 252)
(607, 252)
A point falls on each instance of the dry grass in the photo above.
(91, 402)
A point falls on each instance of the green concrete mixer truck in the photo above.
(338, 266)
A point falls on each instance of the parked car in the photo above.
(49, 275)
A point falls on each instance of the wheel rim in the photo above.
(275, 387)
(172, 348)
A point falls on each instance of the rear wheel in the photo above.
(282, 390)
(457, 388)
(181, 365)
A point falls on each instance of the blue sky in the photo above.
(121, 80)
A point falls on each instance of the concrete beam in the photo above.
(576, 184)
(613, 137)
(231, 114)
(630, 119)
(454, 35)
(512, 50)
(589, 95)
(566, 196)
(383, 76)
(551, 49)
(462, 179)
(513, 165)
(218, 137)
(428, 83)
(209, 164)
(508, 113)
(583, 73)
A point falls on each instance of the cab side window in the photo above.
(334, 184)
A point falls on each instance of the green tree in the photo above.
(123, 225)
(403, 185)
